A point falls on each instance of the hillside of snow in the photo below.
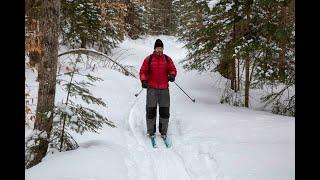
(210, 141)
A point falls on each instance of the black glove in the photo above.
(144, 83)
(171, 78)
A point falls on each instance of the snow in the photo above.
(229, 7)
(212, 3)
(74, 118)
(65, 108)
(210, 141)
(56, 118)
(43, 135)
(49, 114)
(36, 133)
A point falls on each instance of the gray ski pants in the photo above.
(156, 97)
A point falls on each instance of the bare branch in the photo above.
(91, 52)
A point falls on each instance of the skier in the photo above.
(157, 69)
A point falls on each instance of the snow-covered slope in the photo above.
(211, 141)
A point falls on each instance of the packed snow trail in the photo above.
(164, 162)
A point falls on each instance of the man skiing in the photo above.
(157, 69)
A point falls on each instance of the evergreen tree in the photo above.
(134, 19)
(191, 29)
(277, 42)
(92, 23)
(75, 116)
(69, 114)
(160, 17)
(255, 35)
(210, 35)
(276, 67)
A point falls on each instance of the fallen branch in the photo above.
(89, 51)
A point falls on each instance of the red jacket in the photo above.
(159, 71)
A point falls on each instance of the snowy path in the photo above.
(158, 163)
(210, 141)
(165, 163)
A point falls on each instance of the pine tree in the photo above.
(277, 65)
(211, 36)
(191, 29)
(276, 28)
(160, 17)
(236, 34)
(92, 23)
(134, 19)
(70, 115)
(88, 23)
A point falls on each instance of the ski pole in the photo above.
(137, 94)
(193, 100)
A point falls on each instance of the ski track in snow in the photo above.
(161, 159)
(146, 162)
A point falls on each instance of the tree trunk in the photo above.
(247, 82)
(282, 43)
(34, 58)
(233, 76)
(83, 42)
(234, 83)
(49, 27)
(128, 19)
(247, 60)
(238, 87)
